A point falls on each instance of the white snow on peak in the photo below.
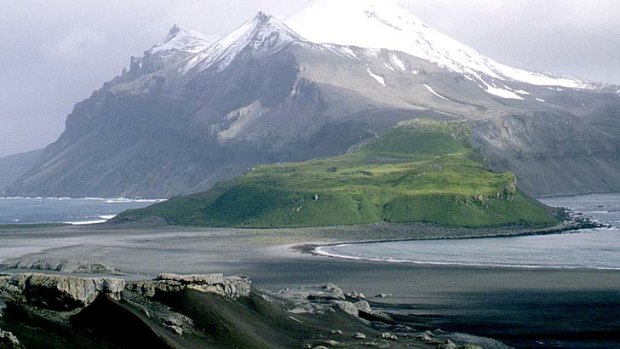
(384, 24)
(181, 39)
(263, 34)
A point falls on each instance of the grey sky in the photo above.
(56, 52)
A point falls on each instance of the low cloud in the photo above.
(79, 42)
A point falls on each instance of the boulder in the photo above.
(347, 307)
(388, 335)
(8, 340)
(448, 344)
(427, 336)
(323, 294)
(353, 308)
(359, 335)
(356, 295)
(363, 306)
(326, 292)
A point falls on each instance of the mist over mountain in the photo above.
(196, 109)
(14, 166)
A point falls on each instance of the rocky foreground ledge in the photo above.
(207, 311)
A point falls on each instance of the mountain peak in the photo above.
(262, 17)
(180, 39)
(263, 21)
(174, 31)
(262, 34)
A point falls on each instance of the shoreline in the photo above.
(572, 227)
(456, 264)
(563, 228)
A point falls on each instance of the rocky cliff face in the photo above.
(551, 152)
(191, 112)
(67, 292)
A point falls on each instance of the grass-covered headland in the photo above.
(421, 171)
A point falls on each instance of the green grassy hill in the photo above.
(421, 171)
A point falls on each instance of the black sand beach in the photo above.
(524, 308)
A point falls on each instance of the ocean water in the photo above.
(535, 299)
(64, 210)
(587, 249)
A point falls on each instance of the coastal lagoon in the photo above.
(588, 249)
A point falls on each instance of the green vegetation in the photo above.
(421, 171)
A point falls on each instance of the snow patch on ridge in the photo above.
(347, 51)
(397, 62)
(496, 91)
(378, 78)
(431, 90)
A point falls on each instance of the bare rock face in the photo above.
(229, 287)
(59, 292)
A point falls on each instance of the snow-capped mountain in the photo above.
(263, 34)
(196, 109)
(180, 43)
(181, 39)
(385, 24)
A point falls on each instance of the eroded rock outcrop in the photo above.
(61, 292)
(328, 297)
(230, 287)
(65, 266)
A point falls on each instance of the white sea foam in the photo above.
(98, 221)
